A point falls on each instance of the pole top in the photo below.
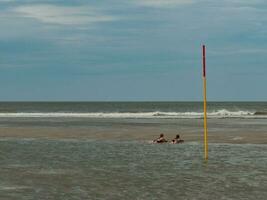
(204, 60)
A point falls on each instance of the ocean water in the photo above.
(111, 166)
(133, 109)
(89, 169)
(143, 117)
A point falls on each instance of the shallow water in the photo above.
(89, 169)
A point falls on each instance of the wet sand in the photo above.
(133, 133)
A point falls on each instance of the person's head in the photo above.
(161, 135)
(177, 136)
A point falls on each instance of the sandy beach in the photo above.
(191, 131)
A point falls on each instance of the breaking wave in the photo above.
(149, 115)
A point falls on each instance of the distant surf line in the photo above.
(135, 115)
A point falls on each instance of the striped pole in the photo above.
(205, 103)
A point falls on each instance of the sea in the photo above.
(103, 150)
(139, 110)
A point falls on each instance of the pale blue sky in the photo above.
(132, 50)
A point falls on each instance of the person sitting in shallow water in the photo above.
(177, 140)
(161, 139)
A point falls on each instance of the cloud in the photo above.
(237, 51)
(63, 15)
(163, 3)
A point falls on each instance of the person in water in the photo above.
(177, 140)
(161, 139)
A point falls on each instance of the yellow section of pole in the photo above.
(205, 118)
(205, 103)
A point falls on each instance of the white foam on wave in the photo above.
(12, 188)
(149, 115)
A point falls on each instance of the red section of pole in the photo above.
(204, 60)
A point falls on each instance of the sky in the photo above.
(132, 50)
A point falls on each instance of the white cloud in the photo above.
(63, 15)
(163, 3)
